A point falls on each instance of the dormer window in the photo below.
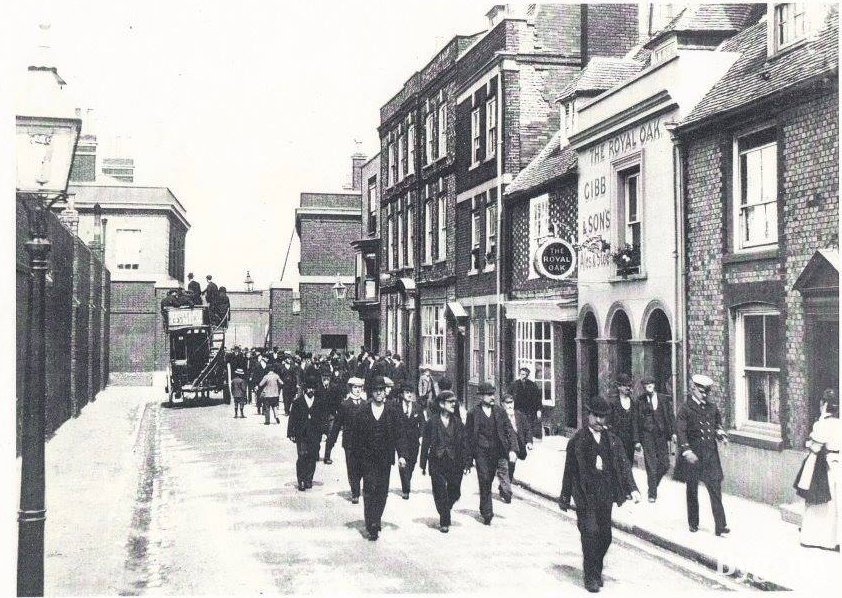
(789, 23)
(664, 51)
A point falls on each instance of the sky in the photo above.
(240, 107)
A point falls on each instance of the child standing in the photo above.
(239, 391)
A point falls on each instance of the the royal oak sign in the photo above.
(555, 259)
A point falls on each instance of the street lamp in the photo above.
(340, 291)
(46, 134)
(249, 282)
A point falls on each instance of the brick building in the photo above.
(507, 85)
(760, 159)
(317, 321)
(141, 232)
(366, 298)
(629, 297)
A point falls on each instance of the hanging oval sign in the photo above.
(555, 259)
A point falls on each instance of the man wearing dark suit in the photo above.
(412, 424)
(194, 289)
(528, 400)
(288, 375)
(210, 291)
(623, 417)
(698, 428)
(596, 475)
(304, 428)
(345, 415)
(492, 445)
(377, 437)
(329, 394)
(523, 433)
(654, 428)
(445, 448)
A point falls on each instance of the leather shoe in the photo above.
(506, 499)
(373, 534)
(444, 529)
(600, 581)
(592, 585)
(328, 461)
(652, 499)
(694, 528)
(355, 500)
(277, 419)
(302, 486)
(722, 532)
(405, 495)
(308, 485)
(486, 520)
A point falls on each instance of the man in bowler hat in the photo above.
(654, 428)
(492, 445)
(304, 428)
(377, 437)
(412, 424)
(596, 475)
(698, 427)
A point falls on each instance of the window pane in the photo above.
(754, 179)
(774, 342)
(769, 165)
(632, 198)
(757, 399)
(753, 326)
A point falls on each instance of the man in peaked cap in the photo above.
(492, 445)
(377, 438)
(698, 428)
(654, 428)
(596, 475)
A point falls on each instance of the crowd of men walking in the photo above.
(385, 418)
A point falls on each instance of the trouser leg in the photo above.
(486, 467)
(438, 478)
(693, 501)
(591, 546)
(512, 470)
(266, 411)
(715, 491)
(354, 474)
(662, 451)
(603, 520)
(503, 478)
(375, 492)
(650, 461)
(406, 472)
(537, 425)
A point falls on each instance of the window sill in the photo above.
(440, 158)
(750, 255)
(627, 278)
(756, 439)
(473, 272)
(474, 166)
(441, 260)
(488, 269)
(785, 50)
(489, 158)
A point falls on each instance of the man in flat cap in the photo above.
(654, 428)
(596, 475)
(377, 438)
(353, 403)
(412, 424)
(698, 427)
(492, 444)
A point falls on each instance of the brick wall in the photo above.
(557, 28)
(611, 29)
(137, 337)
(330, 200)
(563, 209)
(284, 325)
(808, 219)
(322, 313)
(326, 246)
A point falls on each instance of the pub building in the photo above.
(540, 325)
(629, 299)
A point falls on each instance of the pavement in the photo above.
(96, 496)
(762, 549)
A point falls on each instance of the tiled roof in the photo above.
(753, 76)
(602, 73)
(552, 162)
(712, 17)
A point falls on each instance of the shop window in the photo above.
(756, 190)
(758, 357)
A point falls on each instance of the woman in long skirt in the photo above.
(820, 525)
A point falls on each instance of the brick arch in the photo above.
(586, 310)
(617, 306)
(654, 306)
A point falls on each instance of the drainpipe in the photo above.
(679, 264)
(499, 267)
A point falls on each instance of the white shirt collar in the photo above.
(377, 410)
(596, 435)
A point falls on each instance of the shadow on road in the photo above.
(433, 522)
(190, 403)
(568, 572)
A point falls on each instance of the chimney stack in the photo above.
(357, 161)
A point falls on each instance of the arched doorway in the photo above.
(589, 357)
(659, 335)
(620, 332)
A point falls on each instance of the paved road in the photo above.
(218, 511)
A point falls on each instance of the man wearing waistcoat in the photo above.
(377, 437)
(654, 427)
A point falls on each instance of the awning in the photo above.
(457, 310)
(542, 309)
